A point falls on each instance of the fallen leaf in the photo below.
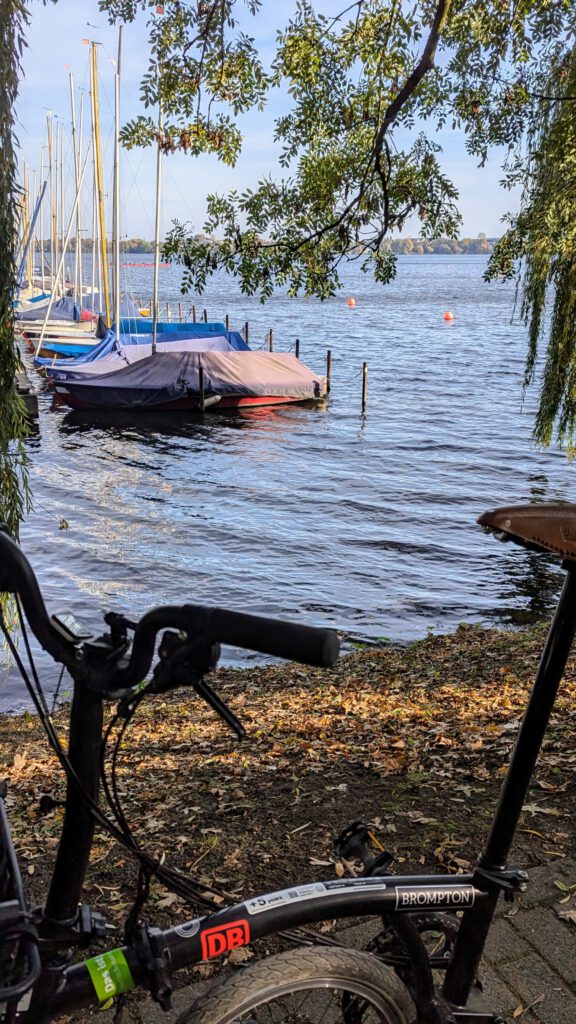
(167, 901)
(239, 956)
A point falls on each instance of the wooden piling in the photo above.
(27, 394)
(270, 341)
(297, 348)
(364, 385)
(201, 386)
(168, 311)
(193, 314)
(205, 315)
(180, 312)
(328, 371)
(246, 332)
(227, 323)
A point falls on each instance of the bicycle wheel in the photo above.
(302, 986)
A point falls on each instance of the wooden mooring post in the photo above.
(180, 312)
(193, 314)
(297, 348)
(270, 340)
(328, 371)
(27, 394)
(364, 385)
(205, 316)
(201, 386)
(246, 332)
(227, 322)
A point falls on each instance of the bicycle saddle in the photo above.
(549, 527)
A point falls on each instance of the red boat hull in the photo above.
(188, 403)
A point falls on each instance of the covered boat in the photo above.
(63, 310)
(134, 334)
(178, 377)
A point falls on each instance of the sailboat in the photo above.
(193, 370)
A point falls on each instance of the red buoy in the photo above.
(448, 315)
(351, 302)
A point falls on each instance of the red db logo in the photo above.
(225, 937)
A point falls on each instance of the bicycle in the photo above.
(393, 980)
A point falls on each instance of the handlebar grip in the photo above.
(289, 640)
(268, 636)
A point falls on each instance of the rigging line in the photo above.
(177, 187)
(128, 192)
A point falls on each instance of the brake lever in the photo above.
(185, 662)
(204, 690)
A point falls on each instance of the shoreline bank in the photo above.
(414, 740)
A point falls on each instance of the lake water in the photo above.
(364, 523)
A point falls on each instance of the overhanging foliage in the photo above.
(14, 492)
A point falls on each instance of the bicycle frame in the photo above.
(65, 986)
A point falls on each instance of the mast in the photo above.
(42, 219)
(33, 229)
(80, 264)
(61, 203)
(117, 187)
(100, 189)
(157, 227)
(26, 222)
(94, 230)
(96, 262)
(52, 200)
(76, 153)
(62, 258)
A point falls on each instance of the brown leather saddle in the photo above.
(549, 527)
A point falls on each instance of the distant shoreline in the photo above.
(479, 246)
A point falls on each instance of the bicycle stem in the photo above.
(473, 931)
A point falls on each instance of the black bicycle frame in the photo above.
(228, 929)
(476, 894)
(473, 931)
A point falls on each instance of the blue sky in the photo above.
(55, 49)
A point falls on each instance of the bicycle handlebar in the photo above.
(288, 640)
(268, 636)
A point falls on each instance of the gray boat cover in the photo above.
(168, 375)
(130, 349)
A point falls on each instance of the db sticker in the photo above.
(225, 937)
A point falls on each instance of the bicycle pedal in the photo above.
(352, 841)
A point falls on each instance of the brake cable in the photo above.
(187, 888)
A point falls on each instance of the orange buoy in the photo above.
(351, 302)
(448, 315)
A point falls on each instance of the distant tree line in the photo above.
(128, 245)
(400, 246)
(440, 246)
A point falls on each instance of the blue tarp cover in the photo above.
(234, 342)
(111, 354)
(62, 309)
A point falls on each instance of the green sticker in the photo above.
(110, 974)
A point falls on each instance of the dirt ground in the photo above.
(413, 741)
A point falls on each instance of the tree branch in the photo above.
(425, 64)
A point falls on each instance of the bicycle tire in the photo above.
(355, 974)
